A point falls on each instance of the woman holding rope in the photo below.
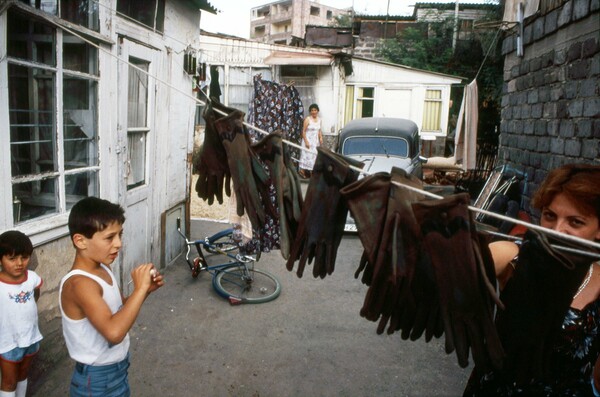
(569, 202)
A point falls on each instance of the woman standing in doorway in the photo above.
(311, 138)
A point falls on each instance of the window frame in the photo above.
(46, 227)
(440, 102)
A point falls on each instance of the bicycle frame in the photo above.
(238, 280)
(200, 244)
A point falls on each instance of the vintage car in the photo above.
(382, 143)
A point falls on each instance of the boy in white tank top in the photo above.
(96, 318)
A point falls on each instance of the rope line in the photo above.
(420, 191)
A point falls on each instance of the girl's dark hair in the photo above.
(92, 214)
(580, 182)
(13, 242)
(313, 106)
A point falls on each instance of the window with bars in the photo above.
(52, 94)
(432, 111)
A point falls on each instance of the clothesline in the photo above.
(575, 239)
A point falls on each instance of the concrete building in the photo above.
(283, 22)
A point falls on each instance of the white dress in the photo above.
(307, 159)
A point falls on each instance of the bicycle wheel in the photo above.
(246, 285)
(222, 241)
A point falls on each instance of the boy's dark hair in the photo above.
(92, 214)
(313, 106)
(13, 242)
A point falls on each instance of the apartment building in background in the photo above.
(284, 22)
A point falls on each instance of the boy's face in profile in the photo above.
(104, 246)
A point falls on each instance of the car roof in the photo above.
(385, 126)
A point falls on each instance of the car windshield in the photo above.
(375, 145)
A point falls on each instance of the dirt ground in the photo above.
(200, 208)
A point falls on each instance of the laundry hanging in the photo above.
(465, 140)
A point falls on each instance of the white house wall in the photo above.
(393, 83)
(173, 116)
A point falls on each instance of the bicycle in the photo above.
(238, 281)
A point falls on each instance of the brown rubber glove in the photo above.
(211, 164)
(323, 214)
(367, 201)
(397, 255)
(537, 298)
(447, 232)
(244, 167)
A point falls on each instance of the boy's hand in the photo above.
(146, 277)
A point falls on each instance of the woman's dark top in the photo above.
(574, 355)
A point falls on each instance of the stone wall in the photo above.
(551, 98)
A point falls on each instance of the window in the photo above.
(329, 14)
(150, 13)
(137, 123)
(365, 102)
(432, 111)
(315, 11)
(52, 91)
(360, 102)
(81, 12)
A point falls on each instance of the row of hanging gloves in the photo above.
(427, 268)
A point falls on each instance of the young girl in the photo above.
(19, 333)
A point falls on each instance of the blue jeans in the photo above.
(101, 381)
(17, 354)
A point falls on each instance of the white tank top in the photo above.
(85, 344)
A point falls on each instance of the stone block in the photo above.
(525, 111)
(596, 128)
(540, 127)
(524, 67)
(532, 96)
(536, 110)
(531, 144)
(581, 9)
(516, 111)
(556, 92)
(549, 110)
(595, 66)
(571, 89)
(590, 149)
(544, 94)
(560, 57)
(557, 146)
(574, 52)
(528, 127)
(518, 127)
(589, 88)
(538, 28)
(564, 16)
(562, 109)
(567, 129)
(553, 127)
(579, 69)
(589, 47)
(551, 22)
(591, 107)
(515, 71)
(543, 145)
(535, 64)
(576, 108)
(527, 35)
(539, 78)
(583, 128)
(573, 148)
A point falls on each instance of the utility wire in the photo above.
(575, 239)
